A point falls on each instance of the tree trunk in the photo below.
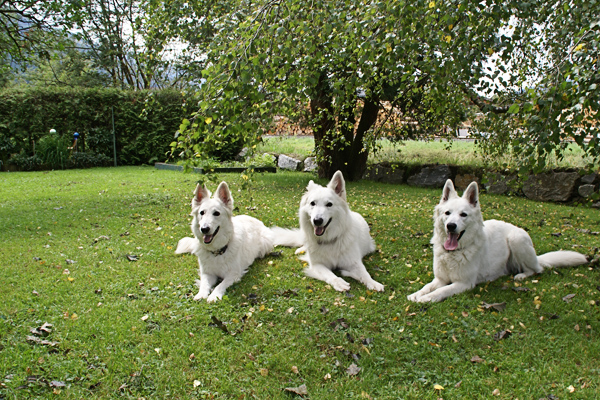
(321, 110)
(357, 163)
(340, 150)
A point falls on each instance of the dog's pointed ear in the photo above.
(311, 184)
(224, 195)
(338, 185)
(448, 192)
(472, 194)
(200, 194)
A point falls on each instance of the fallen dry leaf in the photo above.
(496, 306)
(37, 340)
(522, 325)
(43, 330)
(496, 392)
(218, 323)
(505, 334)
(294, 369)
(568, 297)
(353, 369)
(340, 322)
(300, 390)
(476, 359)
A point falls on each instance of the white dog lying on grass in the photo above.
(225, 245)
(332, 236)
(468, 251)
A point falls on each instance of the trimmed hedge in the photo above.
(145, 123)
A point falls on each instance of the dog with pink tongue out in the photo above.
(468, 250)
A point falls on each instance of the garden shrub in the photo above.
(145, 124)
(143, 129)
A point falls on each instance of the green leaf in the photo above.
(514, 109)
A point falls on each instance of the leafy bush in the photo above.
(25, 162)
(260, 160)
(53, 150)
(89, 160)
(145, 123)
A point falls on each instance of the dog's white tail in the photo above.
(186, 245)
(562, 259)
(287, 237)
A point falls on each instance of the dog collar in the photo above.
(220, 251)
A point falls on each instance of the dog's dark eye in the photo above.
(447, 213)
(463, 215)
(216, 213)
(312, 203)
(329, 204)
(201, 212)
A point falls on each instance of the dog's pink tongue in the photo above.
(452, 242)
(319, 230)
(208, 238)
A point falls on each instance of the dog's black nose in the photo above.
(451, 227)
(205, 229)
(318, 221)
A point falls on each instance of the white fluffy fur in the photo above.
(486, 250)
(246, 239)
(343, 243)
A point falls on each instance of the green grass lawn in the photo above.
(130, 329)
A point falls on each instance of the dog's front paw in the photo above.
(375, 286)
(300, 250)
(414, 297)
(200, 296)
(520, 277)
(430, 298)
(214, 297)
(340, 285)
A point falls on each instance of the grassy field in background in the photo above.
(91, 253)
(414, 152)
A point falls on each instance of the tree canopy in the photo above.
(343, 64)
(525, 73)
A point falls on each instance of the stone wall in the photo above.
(556, 186)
